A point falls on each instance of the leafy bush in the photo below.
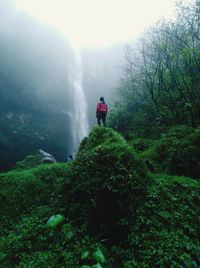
(29, 162)
(166, 232)
(23, 190)
(32, 244)
(177, 152)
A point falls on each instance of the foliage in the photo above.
(113, 213)
(177, 152)
(160, 85)
(166, 232)
(32, 243)
(23, 190)
(30, 161)
(107, 183)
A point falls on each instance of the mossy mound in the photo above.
(23, 190)
(30, 161)
(113, 213)
(106, 184)
(36, 159)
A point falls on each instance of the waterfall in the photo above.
(80, 125)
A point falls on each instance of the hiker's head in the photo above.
(102, 99)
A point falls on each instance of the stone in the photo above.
(46, 157)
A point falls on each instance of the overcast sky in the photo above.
(97, 23)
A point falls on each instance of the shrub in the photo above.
(166, 231)
(31, 243)
(23, 190)
(30, 161)
(177, 152)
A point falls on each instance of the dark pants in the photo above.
(101, 116)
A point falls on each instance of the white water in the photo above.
(80, 125)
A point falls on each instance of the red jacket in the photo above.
(101, 107)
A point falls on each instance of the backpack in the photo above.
(102, 107)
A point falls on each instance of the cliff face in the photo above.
(35, 90)
(36, 86)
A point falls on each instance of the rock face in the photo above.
(36, 95)
(46, 157)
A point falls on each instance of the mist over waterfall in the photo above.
(80, 124)
(48, 93)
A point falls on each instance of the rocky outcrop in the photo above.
(38, 158)
(46, 157)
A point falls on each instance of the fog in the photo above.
(38, 70)
(102, 72)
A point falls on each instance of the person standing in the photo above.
(101, 112)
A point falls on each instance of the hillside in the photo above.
(116, 213)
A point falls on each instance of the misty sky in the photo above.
(97, 23)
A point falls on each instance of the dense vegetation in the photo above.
(160, 87)
(116, 213)
(176, 153)
(159, 114)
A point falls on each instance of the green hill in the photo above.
(116, 213)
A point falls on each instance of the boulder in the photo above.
(46, 157)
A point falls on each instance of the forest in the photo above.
(160, 86)
(131, 195)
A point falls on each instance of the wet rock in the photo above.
(46, 157)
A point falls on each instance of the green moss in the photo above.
(116, 214)
(106, 182)
(29, 162)
(167, 227)
(167, 179)
(23, 190)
